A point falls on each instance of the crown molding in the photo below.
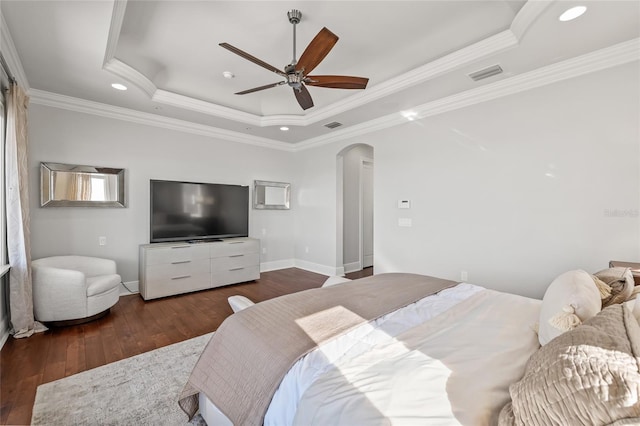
(130, 74)
(10, 54)
(485, 48)
(527, 15)
(187, 102)
(609, 57)
(482, 49)
(41, 97)
(490, 46)
(117, 18)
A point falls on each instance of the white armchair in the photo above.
(73, 288)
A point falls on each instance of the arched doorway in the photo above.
(355, 208)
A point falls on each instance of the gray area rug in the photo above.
(141, 390)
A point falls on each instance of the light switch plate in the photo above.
(404, 204)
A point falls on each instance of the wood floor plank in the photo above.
(76, 359)
(56, 360)
(133, 326)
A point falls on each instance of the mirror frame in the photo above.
(259, 185)
(47, 188)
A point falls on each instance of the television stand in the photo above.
(167, 269)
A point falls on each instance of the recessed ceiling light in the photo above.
(284, 128)
(572, 13)
(409, 115)
(228, 74)
(119, 86)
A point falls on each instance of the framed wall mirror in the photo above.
(70, 185)
(271, 195)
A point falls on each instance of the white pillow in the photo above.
(569, 300)
(239, 303)
(333, 280)
(633, 306)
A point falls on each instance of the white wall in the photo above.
(146, 153)
(514, 191)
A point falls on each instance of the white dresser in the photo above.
(173, 268)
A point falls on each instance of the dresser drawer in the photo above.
(167, 286)
(235, 246)
(219, 264)
(175, 254)
(178, 269)
(237, 275)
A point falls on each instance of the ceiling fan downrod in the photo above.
(294, 16)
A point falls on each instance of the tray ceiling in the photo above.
(415, 53)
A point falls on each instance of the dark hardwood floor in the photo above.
(133, 327)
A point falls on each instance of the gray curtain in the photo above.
(18, 232)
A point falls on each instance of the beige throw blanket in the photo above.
(247, 357)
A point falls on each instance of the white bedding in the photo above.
(446, 359)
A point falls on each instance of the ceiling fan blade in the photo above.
(266, 86)
(315, 52)
(304, 97)
(337, 81)
(252, 58)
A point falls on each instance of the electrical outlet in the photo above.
(405, 222)
(264, 250)
(102, 241)
(306, 249)
(464, 276)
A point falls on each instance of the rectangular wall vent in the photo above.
(486, 72)
(333, 125)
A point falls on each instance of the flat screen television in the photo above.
(185, 211)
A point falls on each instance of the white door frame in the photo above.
(363, 163)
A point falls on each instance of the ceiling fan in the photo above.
(296, 74)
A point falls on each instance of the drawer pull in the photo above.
(236, 269)
(237, 255)
(236, 242)
(179, 247)
(181, 261)
(181, 277)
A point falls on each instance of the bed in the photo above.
(389, 349)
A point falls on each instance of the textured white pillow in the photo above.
(633, 305)
(333, 280)
(570, 299)
(239, 303)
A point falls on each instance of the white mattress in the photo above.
(481, 330)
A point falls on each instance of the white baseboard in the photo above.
(317, 268)
(132, 287)
(277, 264)
(352, 267)
(302, 264)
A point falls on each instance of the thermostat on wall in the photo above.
(404, 204)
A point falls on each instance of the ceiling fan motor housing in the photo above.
(294, 78)
(294, 16)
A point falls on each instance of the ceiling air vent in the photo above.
(333, 125)
(486, 73)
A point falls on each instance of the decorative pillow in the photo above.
(621, 282)
(587, 376)
(569, 300)
(333, 280)
(633, 305)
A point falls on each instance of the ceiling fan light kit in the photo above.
(296, 73)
